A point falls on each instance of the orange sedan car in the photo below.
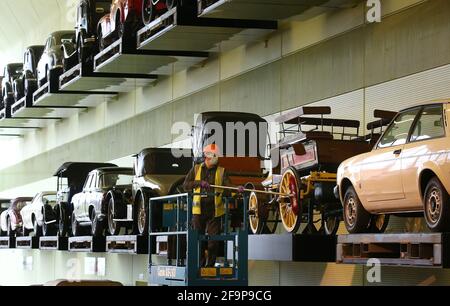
(408, 171)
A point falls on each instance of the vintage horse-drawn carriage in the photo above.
(305, 163)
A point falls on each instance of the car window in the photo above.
(430, 124)
(50, 199)
(87, 184)
(397, 133)
(108, 180)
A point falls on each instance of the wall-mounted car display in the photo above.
(122, 21)
(305, 162)
(11, 73)
(33, 214)
(26, 84)
(90, 206)
(53, 55)
(89, 13)
(71, 177)
(10, 219)
(158, 173)
(406, 172)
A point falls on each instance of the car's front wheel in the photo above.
(36, 228)
(436, 206)
(356, 218)
(9, 230)
(96, 225)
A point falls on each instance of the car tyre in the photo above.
(97, 226)
(436, 206)
(356, 218)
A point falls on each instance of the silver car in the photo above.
(33, 214)
(53, 55)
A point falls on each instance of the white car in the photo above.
(32, 214)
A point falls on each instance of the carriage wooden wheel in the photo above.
(255, 222)
(290, 207)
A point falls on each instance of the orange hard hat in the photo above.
(212, 148)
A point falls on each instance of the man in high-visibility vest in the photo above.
(208, 210)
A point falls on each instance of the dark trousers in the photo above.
(211, 226)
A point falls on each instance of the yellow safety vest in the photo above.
(219, 206)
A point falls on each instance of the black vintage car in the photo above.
(158, 172)
(71, 178)
(11, 73)
(85, 44)
(26, 84)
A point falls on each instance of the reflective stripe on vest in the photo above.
(218, 203)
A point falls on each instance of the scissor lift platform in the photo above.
(127, 244)
(54, 243)
(27, 243)
(81, 78)
(181, 30)
(423, 250)
(117, 58)
(268, 9)
(87, 244)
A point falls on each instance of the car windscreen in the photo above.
(162, 163)
(112, 179)
(21, 205)
(16, 71)
(66, 38)
(49, 199)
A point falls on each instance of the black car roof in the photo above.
(79, 168)
(115, 169)
(230, 116)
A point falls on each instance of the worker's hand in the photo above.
(241, 189)
(205, 185)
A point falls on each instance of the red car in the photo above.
(10, 219)
(122, 22)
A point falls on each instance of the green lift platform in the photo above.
(175, 247)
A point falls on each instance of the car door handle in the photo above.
(398, 152)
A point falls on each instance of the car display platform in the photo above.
(127, 244)
(181, 30)
(7, 242)
(423, 250)
(27, 243)
(55, 99)
(23, 109)
(118, 58)
(268, 9)
(10, 126)
(81, 78)
(87, 244)
(296, 248)
(54, 243)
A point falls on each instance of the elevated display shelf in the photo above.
(81, 79)
(117, 58)
(127, 244)
(87, 244)
(269, 9)
(54, 243)
(7, 242)
(27, 243)
(297, 248)
(180, 30)
(429, 250)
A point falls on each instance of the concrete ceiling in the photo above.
(27, 22)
